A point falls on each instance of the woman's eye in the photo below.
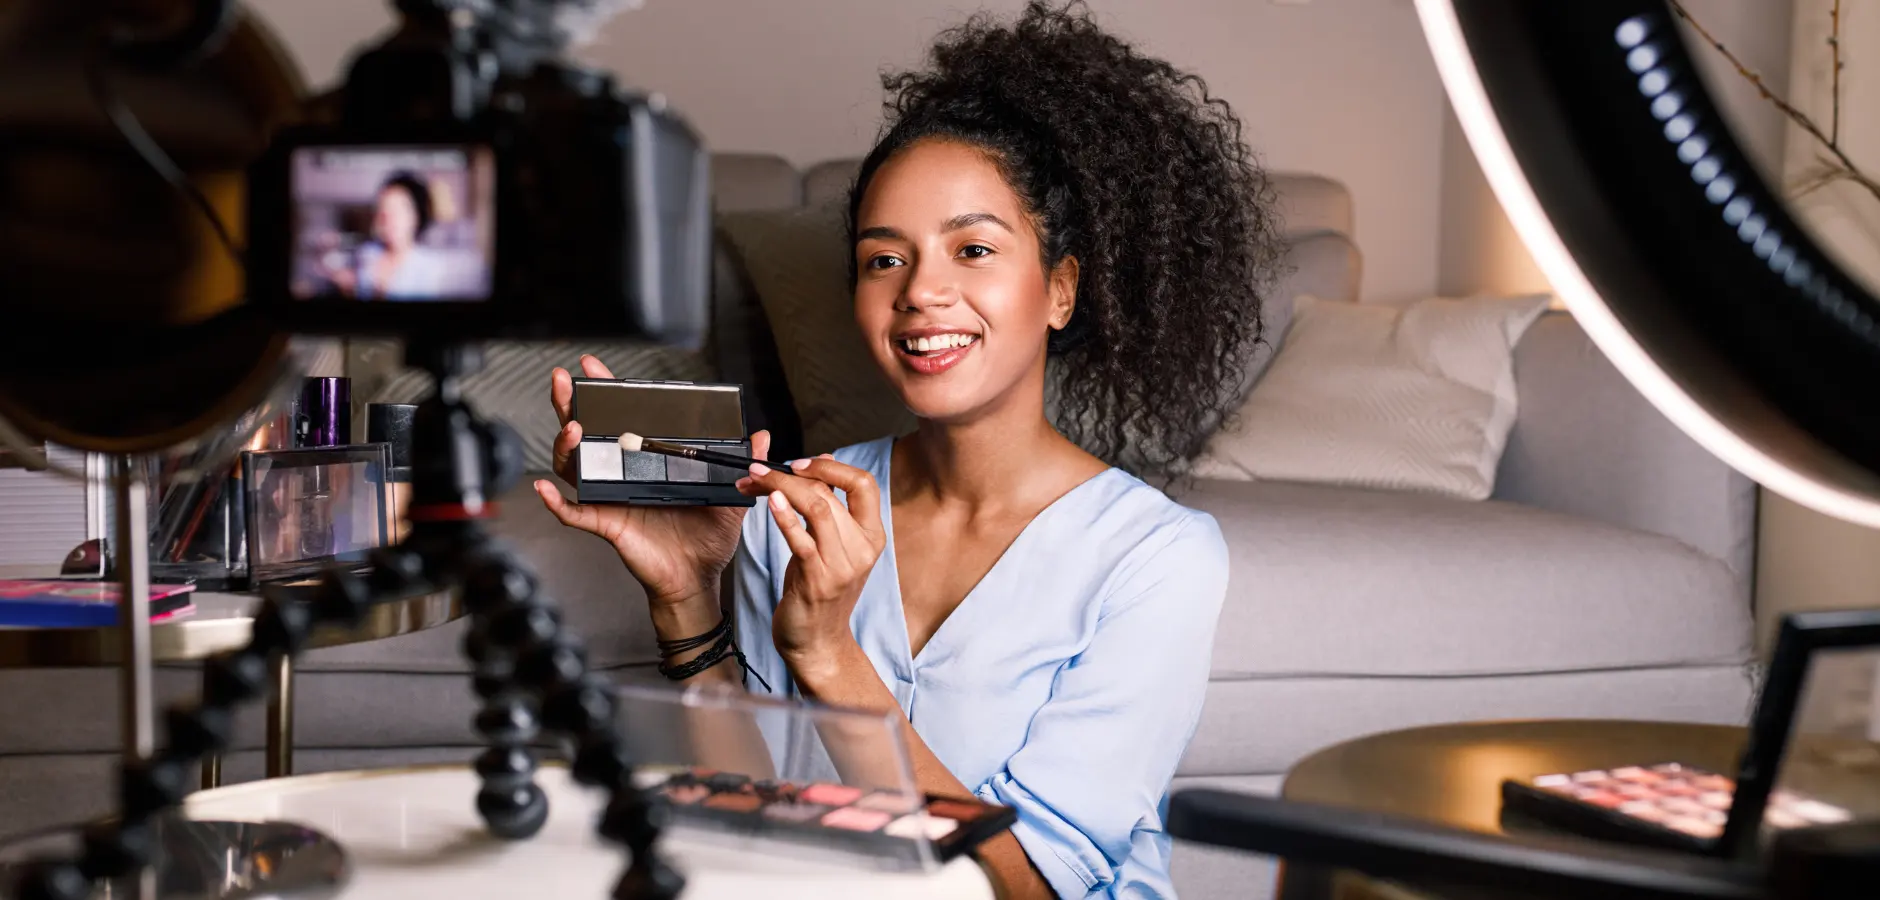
(883, 262)
(975, 251)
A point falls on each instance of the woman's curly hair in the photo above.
(1130, 166)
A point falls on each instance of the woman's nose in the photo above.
(928, 289)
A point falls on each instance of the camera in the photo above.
(468, 182)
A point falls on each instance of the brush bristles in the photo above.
(631, 442)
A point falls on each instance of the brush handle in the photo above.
(716, 458)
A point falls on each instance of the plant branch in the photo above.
(1834, 42)
(1800, 118)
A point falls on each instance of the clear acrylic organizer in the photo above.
(789, 777)
(309, 508)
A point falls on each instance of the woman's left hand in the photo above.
(831, 555)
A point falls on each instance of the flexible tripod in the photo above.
(530, 672)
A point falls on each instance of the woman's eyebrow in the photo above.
(968, 220)
(963, 220)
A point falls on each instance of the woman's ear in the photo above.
(1063, 291)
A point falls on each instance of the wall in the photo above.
(1341, 87)
(1479, 251)
(1807, 560)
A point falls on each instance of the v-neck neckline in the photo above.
(894, 556)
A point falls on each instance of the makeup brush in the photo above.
(633, 443)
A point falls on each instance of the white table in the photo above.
(414, 834)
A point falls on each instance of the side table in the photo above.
(1451, 774)
(414, 832)
(223, 622)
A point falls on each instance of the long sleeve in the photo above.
(1089, 780)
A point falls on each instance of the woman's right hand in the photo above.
(677, 553)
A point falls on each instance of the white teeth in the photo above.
(938, 342)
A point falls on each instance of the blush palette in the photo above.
(1669, 803)
(885, 825)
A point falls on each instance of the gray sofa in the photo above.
(1608, 577)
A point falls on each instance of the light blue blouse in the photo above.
(1066, 684)
(424, 274)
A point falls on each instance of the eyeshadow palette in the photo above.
(890, 826)
(1669, 804)
(693, 414)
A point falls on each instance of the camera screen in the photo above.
(403, 223)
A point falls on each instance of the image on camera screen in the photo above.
(383, 223)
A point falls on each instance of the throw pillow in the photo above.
(797, 264)
(1419, 397)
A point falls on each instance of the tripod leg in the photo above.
(522, 651)
(500, 597)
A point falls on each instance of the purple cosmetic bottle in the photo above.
(322, 418)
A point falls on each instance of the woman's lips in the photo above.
(933, 363)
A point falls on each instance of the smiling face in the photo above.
(950, 292)
(395, 221)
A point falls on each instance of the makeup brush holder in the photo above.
(198, 524)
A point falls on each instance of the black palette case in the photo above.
(696, 414)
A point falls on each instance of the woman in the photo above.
(393, 265)
(1041, 619)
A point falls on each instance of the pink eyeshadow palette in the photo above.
(921, 825)
(830, 794)
(1669, 803)
(856, 819)
(882, 824)
(687, 793)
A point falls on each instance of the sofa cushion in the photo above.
(1264, 726)
(1417, 398)
(796, 262)
(1587, 442)
(827, 184)
(1324, 264)
(754, 181)
(744, 352)
(1313, 203)
(1344, 581)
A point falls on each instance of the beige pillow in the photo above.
(797, 264)
(1418, 398)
